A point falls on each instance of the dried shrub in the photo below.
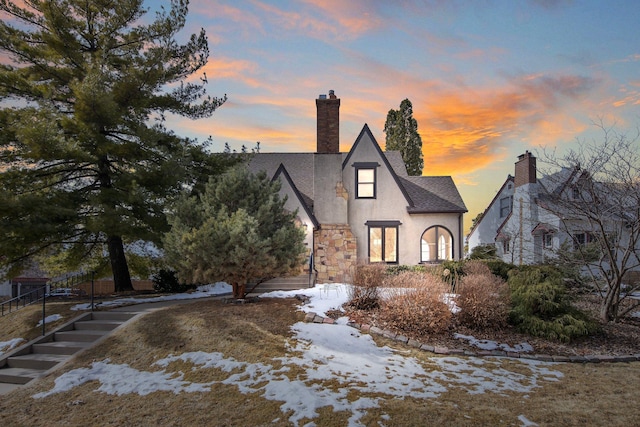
(484, 301)
(474, 266)
(417, 307)
(365, 292)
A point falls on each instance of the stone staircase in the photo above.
(38, 357)
(283, 284)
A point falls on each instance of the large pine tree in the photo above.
(402, 135)
(86, 162)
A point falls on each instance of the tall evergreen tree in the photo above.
(237, 230)
(402, 135)
(86, 162)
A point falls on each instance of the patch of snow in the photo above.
(121, 379)
(203, 291)
(6, 346)
(325, 355)
(525, 422)
(50, 319)
(324, 297)
(492, 345)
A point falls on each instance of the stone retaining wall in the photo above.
(314, 318)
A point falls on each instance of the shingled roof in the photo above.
(429, 194)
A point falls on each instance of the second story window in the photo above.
(365, 180)
(505, 206)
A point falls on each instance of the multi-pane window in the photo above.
(436, 245)
(366, 180)
(547, 239)
(366, 183)
(506, 246)
(505, 206)
(383, 242)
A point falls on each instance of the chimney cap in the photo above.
(332, 94)
(322, 96)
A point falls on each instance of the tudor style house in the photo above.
(529, 218)
(362, 206)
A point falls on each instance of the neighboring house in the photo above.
(362, 206)
(29, 280)
(524, 221)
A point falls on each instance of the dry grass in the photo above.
(587, 395)
(23, 323)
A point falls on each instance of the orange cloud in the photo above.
(465, 131)
(345, 20)
(219, 67)
(242, 19)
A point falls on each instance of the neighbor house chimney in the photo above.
(328, 127)
(525, 170)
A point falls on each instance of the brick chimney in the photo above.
(328, 125)
(525, 170)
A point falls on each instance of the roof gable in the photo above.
(367, 132)
(283, 174)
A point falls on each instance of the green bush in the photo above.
(499, 268)
(540, 306)
(166, 281)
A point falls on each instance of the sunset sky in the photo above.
(487, 79)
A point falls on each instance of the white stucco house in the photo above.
(362, 206)
(529, 218)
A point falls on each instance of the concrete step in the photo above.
(36, 361)
(86, 335)
(121, 316)
(19, 375)
(282, 284)
(97, 325)
(60, 347)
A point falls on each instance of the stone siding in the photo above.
(335, 253)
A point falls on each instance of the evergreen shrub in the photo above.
(166, 281)
(540, 306)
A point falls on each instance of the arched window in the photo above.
(436, 244)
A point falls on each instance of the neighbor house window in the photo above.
(383, 241)
(436, 245)
(506, 246)
(581, 239)
(365, 180)
(505, 206)
(547, 239)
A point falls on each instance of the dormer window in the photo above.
(366, 180)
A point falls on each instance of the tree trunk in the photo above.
(239, 290)
(119, 267)
(609, 307)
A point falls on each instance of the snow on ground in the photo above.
(325, 354)
(50, 319)
(492, 345)
(204, 291)
(6, 346)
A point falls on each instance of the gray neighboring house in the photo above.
(523, 220)
(362, 206)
